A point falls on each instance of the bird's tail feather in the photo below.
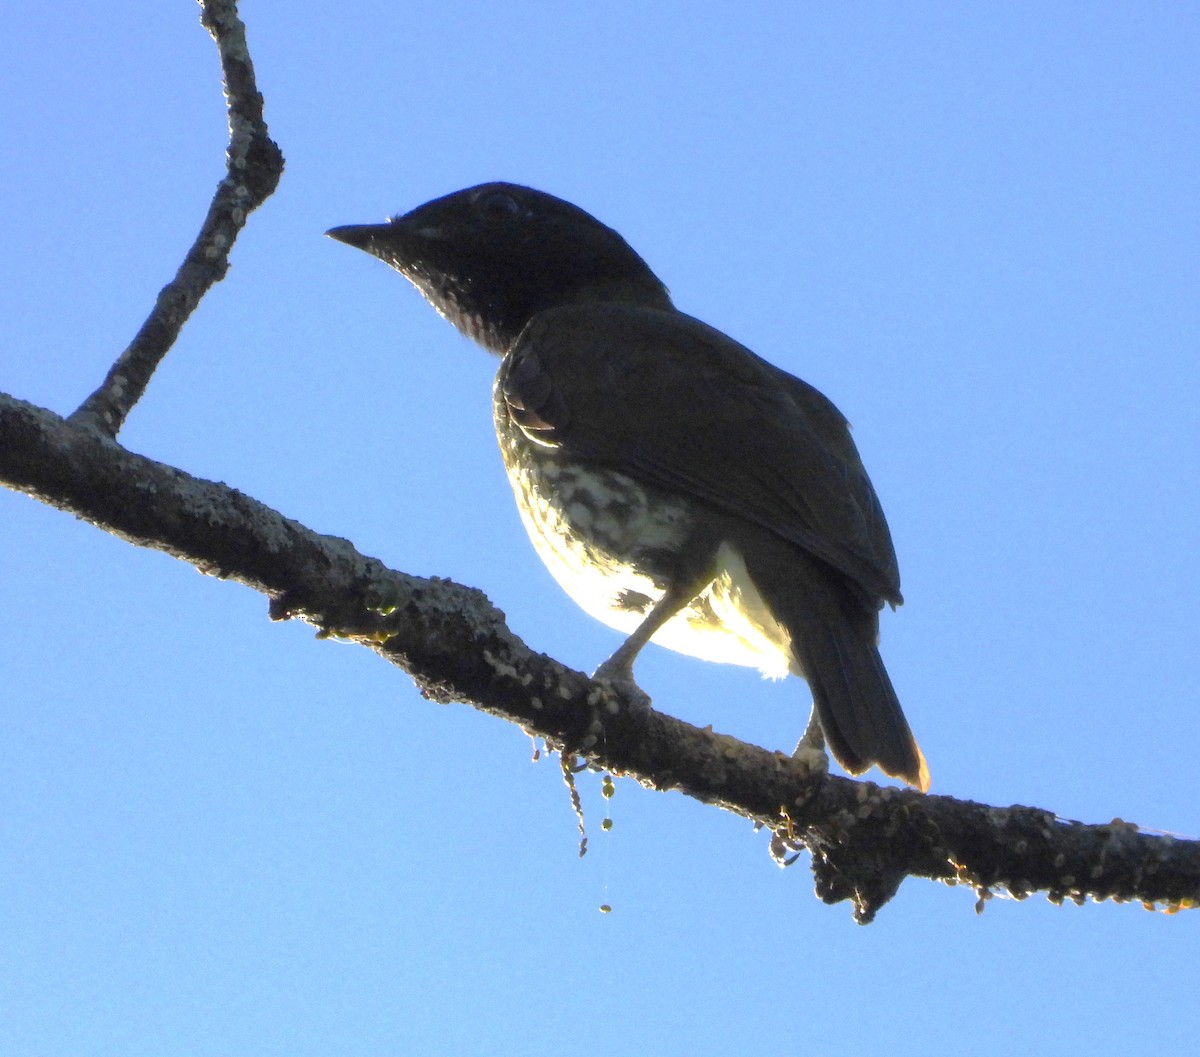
(834, 639)
(859, 712)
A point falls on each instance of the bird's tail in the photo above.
(834, 638)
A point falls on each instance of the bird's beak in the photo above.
(361, 236)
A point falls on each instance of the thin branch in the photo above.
(254, 165)
(864, 839)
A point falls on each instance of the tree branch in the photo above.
(865, 839)
(254, 165)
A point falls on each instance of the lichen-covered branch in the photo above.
(254, 165)
(864, 839)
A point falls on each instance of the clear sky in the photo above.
(975, 226)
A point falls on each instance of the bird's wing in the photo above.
(674, 402)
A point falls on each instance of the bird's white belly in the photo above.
(601, 552)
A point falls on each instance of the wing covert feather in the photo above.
(673, 401)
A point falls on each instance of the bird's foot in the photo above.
(810, 749)
(619, 677)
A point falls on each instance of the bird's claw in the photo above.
(620, 680)
(810, 750)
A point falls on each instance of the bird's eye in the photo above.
(499, 204)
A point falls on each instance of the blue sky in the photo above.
(974, 227)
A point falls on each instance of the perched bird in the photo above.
(679, 487)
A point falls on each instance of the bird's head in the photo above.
(491, 257)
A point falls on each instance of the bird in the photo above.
(680, 488)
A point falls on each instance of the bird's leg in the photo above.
(810, 749)
(618, 669)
